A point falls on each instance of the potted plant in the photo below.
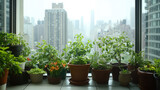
(36, 75)
(157, 73)
(78, 60)
(7, 62)
(54, 69)
(136, 60)
(145, 76)
(43, 55)
(120, 47)
(124, 77)
(100, 68)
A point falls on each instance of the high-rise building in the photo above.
(56, 26)
(152, 49)
(4, 15)
(39, 31)
(29, 32)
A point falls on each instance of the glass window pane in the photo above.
(151, 28)
(58, 22)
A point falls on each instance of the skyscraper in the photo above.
(152, 49)
(56, 26)
(4, 15)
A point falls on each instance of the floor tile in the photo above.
(17, 87)
(134, 88)
(44, 86)
(112, 88)
(78, 88)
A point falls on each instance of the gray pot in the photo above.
(3, 87)
(36, 78)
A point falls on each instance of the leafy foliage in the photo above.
(7, 61)
(125, 71)
(157, 66)
(116, 46)
(36, 71)
(147, 67)
(44, 54)
(137, 59)
(76, 52)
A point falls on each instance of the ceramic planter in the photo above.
(101, 76)
(54, 80)
(146, 80)
(22, 65)
(79, 74)
(16, 50)
(116, 70)
(157, 81)
(36, 78)
(134, 74)
(19, 79)
(3, 87)
(3, 79)
(124, 79)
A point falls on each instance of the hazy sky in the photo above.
(104, 9)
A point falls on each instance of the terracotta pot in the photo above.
(157, 81)
(134, 74)
(3, 79)
(79, 73)
(146, 80)
(101, 76)
(54, 80)
(116, 70)
(36, 78)
(124, 79)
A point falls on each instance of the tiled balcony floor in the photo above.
(65, 85)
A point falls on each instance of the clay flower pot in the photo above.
(124, 79)
(54, 80)
(134, 74)
(79, 74)
(116, 70)
(146, 80)
(101, 76)
(3, 79)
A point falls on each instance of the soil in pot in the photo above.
(101, 76)
(124, 79)
(116, 70)
(3, 79)
(134, 74)
(36, 78)
(157, 81)
(79, 73)
(146, 80)
(54, 80)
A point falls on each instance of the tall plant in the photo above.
(76, 52)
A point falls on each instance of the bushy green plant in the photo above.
(36, 71)
(117, 47)
(20, 59)
(125, 71)
(148, 66)
(44, 54)
(137, 59)
(157, 66)
(7, 61)
(76, 52)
